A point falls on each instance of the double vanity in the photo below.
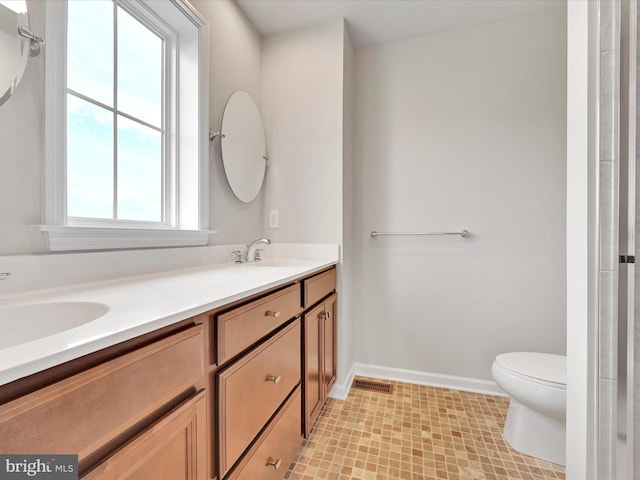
(208, 373)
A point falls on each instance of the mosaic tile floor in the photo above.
(414, 433)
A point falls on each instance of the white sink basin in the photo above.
(24, 323)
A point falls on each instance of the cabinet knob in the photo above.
(274, 463)
(269, 313)
(274, 379)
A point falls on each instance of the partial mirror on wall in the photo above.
(243, 146)
(17, 43)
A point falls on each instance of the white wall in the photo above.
(302, 89)
(21, 140)
(464, 129)
(235, 63)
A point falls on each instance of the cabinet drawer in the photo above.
(274, 451)
(174, 448)
(318, 287)
(252, 389)
(86, 411)
(243, 326)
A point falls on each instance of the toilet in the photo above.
(536, 383)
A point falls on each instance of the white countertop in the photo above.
(138, 305)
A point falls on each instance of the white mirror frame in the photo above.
(243, 146)
(14, 48)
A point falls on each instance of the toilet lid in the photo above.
(542, 366)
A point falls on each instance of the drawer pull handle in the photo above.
(271, 378)
(272, 314)
(274, 463)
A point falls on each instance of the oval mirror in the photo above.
(243, 146)
(14, 48)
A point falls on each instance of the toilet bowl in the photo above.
(536, 383)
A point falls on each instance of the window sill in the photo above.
(61, 238)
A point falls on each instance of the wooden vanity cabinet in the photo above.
(243, 326)
(173, 448)
(274, 450)
(329, 344)
(313, 348)
(228, 394)
(252, 389)
(317, 287)
(319, 340)
(126, 415)
(258, 411)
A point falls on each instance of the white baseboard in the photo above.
(340, 391)
(487, 387)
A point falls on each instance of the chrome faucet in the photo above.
(4, 275)
(250, 252)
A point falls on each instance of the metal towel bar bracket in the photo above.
(35, 40)
(463, 233)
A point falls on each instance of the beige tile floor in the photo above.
(415, 433)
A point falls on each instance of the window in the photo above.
(116, 162)
(126, 129)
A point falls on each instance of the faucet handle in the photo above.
(4, 275)
(237, 256)
(258, 256)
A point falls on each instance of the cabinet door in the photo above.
(313, 349)
(172, 449)
(329, 345)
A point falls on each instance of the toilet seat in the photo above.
(543, 368)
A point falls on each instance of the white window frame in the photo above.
(187, 208)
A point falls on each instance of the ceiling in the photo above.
(373, 22)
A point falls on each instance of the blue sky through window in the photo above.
(90, 49)
(139, 70)
(139, 172)
(89, 160)
(100, 182)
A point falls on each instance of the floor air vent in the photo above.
(372, 386)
